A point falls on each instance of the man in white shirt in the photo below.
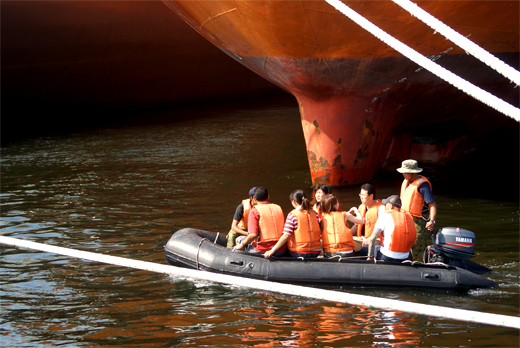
(370, 209)
(398, 230)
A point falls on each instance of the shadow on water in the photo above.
(29, 122)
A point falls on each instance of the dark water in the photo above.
(123, 191)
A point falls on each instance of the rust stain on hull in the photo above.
(317, 165)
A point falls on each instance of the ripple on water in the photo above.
(123, 192)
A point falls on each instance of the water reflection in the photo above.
(123, 191)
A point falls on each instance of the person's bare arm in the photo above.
(430, 225)
(234, 227)
(250, 238)
(278, 245)
(371, 243)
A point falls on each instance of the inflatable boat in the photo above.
(207, 251)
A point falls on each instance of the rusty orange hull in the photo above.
(363, 106)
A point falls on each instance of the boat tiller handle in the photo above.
(433, 241)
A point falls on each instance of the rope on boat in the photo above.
(197, 257)
(472, 90)
(326, 295)
(469, 46)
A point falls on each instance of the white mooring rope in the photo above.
(461, 41)
(326, 295)
(472, 90)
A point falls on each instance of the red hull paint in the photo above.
(363, 106)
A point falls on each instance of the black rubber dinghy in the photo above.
(206, 251)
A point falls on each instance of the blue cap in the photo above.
(252, 191)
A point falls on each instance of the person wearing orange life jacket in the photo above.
(336, 235)
(264, 225)
(398, 232)
(370, 209)
(321, 192)
(416, 195)
(301, 233)
(239, 223)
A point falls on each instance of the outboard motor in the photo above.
(454, 246)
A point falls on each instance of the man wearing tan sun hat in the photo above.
(417, 199)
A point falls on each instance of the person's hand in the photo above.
(365, 242)
(239, 247)
(430, 226)
(370, 258)
(353, 211)
(268, 254)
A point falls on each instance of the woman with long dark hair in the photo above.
(321, 192)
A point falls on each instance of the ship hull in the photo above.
(363, 106)
(60, 58)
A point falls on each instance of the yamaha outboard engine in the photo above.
(454, 246)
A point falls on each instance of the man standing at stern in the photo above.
(417, 199)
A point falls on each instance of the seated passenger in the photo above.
(370, 209)
(336, 235)
(398, 232)
(264, 225)
(301, 232)
(239, 223)
(321, 192)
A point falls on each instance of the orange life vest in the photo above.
(370, 217)
(271, 222)
(307, 236)
(412, 200)
(404, 234)
(337, 237)
(246, 203)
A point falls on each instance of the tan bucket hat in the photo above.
(409, 166)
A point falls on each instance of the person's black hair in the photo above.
(325, 188)
(261, 194)
(299, 197)
(371, 190)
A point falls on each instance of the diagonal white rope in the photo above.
(472, 90)
(469, 46)
(326, 295)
